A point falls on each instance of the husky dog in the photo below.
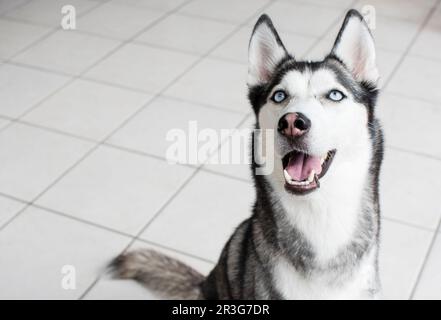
(314, 229)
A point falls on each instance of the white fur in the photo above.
(328, 217)
(357, 50)
(264, 53)
(294, 286)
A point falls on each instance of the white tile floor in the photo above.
(84, 113)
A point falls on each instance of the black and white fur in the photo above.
(320, 245)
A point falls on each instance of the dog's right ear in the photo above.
(355, 47)
(265, 51)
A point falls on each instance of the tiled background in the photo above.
(83, 117)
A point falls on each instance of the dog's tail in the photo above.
(164, 275)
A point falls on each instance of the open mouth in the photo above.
(303, 171)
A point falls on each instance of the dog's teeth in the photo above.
(295, 182)
(322, 161)
(287, 176)
(317, 181)
(311, 176)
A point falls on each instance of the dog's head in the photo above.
(320, 111)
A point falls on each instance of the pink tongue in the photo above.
(300, 166)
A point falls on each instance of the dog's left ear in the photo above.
(355, 47)
(265, 51)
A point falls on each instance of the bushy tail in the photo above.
(164, 275)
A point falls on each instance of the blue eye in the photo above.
(335, 95)
(279, 96)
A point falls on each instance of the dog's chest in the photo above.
(293, 285)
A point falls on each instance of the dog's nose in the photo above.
(294, 124)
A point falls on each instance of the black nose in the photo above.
(302, 122)
(294, 124)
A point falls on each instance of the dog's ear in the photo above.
(265, 51)
(355, 47)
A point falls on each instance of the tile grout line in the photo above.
(132, 40)
(158, 157)
(415, 153)
(115, 146)
(408, 224)
(99, 3)
(223, 40)
(176, 250)
(55, 130)
(107, 37)
(119, 86)
(52, 29)
(93, 140)
(97, 145)
(112, 230)
(34, 43)
(232, 24)
(4, 117)
(153, 218)
(169, 200)
(201, 168)
(202, 104)
(140, 42)
(434, 236)
(123, 43)
(101, 59)
(181, 187)
(196, 171)
(181, 51)
(408, 97)
(7, 11)
(31, 202)
(97, 226)
(129, 118)
(14, 198)
(247, 22)
(144, 153)
(410, 45)
(108, 54)
(39, 68)
(131, 150)
(18, 213)
(424, 57)
(126, 5)
(108, 136)
(426, 259)
(80, 220)
(100, 226)
(227, 176)
(328, 29)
